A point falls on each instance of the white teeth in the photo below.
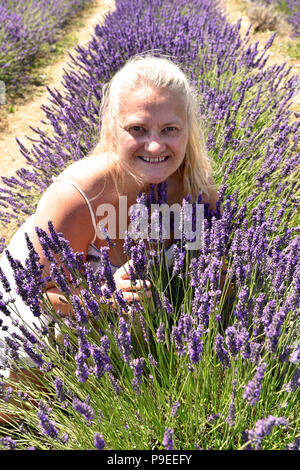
(155, 159)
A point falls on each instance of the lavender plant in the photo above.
(212, 360)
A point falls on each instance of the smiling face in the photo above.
(151, 133)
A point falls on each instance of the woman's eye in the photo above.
(170, 129)
(136, 129)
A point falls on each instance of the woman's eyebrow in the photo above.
(137, 122)
(173, 123)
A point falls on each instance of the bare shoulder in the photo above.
(64, 206)
(90, 174)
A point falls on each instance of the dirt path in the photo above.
(30, 113)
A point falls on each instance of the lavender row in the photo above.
(252, 136)
(25, 26)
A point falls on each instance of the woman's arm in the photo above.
(65, 207)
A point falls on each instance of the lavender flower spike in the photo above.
(253, 387)
(160, 333)
(221, 352)
(84, 409)
(262, 428)
(168, 439)
(231, 412)
(99, 441)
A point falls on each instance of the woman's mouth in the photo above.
(153, 159)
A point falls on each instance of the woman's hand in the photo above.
(137, 291)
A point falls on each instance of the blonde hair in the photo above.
(158, 72)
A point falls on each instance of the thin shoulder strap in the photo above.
(65, 180)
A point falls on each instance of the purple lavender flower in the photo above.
(28, 335)
(185, 324)
(168, 439)
(255, 349)
(273, 329)
(36, 357)
(195, 345)
(268, 313)
(115, 383)
(253, 387)
(28, 282)
(202, 306)
(58, 384)
(106, 272)
(80, 313)
(294, 445)
(151, 360)
(121, 302)
(232, 341)
(257, 312)
(3, 306)
(175, 408)
(262, 428)
(23, 395)
(178, 340)
(179, 262)
(244, 340)
(213, 417)
(241, 308)
(4, 281)
(221, 352)
(160, 333)
(8, 442)
(127, 244)
(144, 328)
(137, 366)
(138, 269)
(82, 371)
(46, 425)
(84, 409)
(294, 383)
(123, 340)
(83, 342)
(100, 357)
(231, 412)
(59, 277)
(99, 442)
(167, 304)
(13, 348)
(295, 355)
(8, 394)
(136, 386)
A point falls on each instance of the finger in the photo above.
(128, 285)
(123, 271)
(130, 296)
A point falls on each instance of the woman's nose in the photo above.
(154, 144)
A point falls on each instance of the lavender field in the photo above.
(25, 27)
(208, 364)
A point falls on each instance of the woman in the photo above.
(149, 134)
